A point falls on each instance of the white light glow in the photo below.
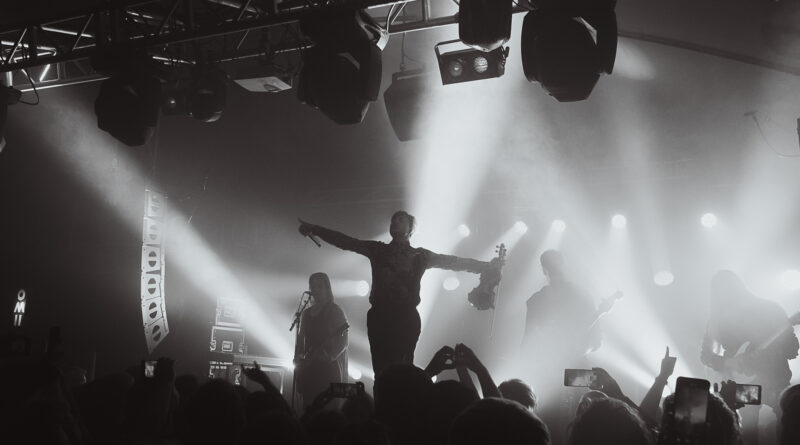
(619, 221)
(463, 230)
(663, 278)
(790, 279)
(708, 220)
(559, 225)
(354, 372)
(451, 283)
(44, 73)
(521, 227)
(362, 288)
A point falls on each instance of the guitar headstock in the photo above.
(608, 302)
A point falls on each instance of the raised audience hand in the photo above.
(305, 228)
(727, 391)
(443, 359)
(255, 373)
(465, 356)
(667, 366)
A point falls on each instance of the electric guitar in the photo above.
(747, 363)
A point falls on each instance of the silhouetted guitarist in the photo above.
(748, 339)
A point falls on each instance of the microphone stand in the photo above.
(296, 323)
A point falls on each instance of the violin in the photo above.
(485, 293)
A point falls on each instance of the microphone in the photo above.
(314, 238)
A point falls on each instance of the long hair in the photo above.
(326, 280)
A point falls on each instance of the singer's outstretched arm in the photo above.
(337, 239)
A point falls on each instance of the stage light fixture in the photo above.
(404, 100)
(709, 220)
(128, 104)
(207, 93)
(341, 74)
(567, 45)
(619, 221)
(521, 227)
(484, 24)
(8, 96)
(663, 278)
(559, 225)
(463, 230)
(451, 283)
(466, 65)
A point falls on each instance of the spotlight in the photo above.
(484, 24)
(127, 106)
(404, 100)
(354, 373)
(463, 230)
(451, 283)
(206, 97)
(708, 220)
(362, 288)
(466, 65)
(619, 221)
(341, 75)
(559, 225)
(559, 51)
(521, 227)
(790, 279)
(8, 96)
(663, 278)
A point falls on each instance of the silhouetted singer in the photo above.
(393, 323)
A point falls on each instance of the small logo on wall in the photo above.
(19, 308)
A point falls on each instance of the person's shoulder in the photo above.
(337, 311)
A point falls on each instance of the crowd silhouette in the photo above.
(45, 403)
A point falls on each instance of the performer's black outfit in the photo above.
(749, 340)
(393, 323)
(772, 343)
(322, 341)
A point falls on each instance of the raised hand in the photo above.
(465, 356)
(255, 373)
(305, 228)
(443, 359)
(727, 390)
(667, 365)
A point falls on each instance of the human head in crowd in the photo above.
(722, 423)
(587, 399)
(498, 421)
(609, 422)
(518, 391)
(789, 430)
